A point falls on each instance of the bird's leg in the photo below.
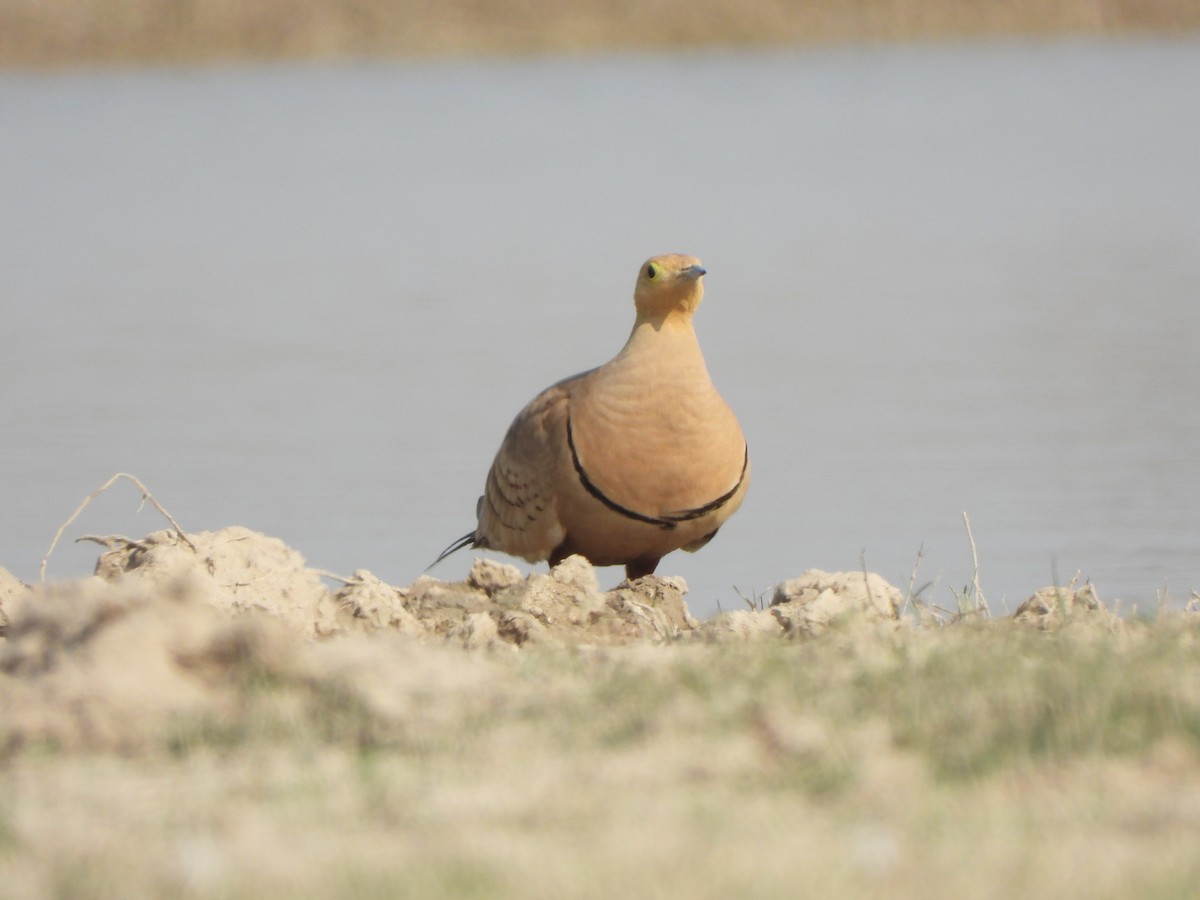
(638, 567)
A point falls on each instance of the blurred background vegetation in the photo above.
(88, 32)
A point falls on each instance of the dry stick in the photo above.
(982, 601)
(912, 579)
(325, 573)
(146, 495)
(111, 540)
(862, 561)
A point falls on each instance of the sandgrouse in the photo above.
(626, 462)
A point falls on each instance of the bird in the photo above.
(626, 462)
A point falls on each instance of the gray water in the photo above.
(309, 299)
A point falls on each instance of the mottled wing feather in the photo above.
(518, 513)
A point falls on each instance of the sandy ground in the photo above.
(206, 716)
(72, 32)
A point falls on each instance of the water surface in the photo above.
(309, 299)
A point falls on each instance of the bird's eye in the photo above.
(651, 271)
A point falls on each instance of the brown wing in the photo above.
(518, 512)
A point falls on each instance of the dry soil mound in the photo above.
(176, 628)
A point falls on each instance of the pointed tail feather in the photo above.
(467, 540)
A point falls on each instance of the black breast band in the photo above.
(670, 520)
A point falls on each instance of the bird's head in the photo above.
(668, 284)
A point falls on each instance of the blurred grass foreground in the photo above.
(203, 718)
(85, 32)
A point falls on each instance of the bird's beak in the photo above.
(694, 271)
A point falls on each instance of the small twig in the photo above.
(912, 579)
(981, 601)
(862, 561)
(940, 614)
(1163, 597)
(1060, 599)
(754, 602)
(112, 540)
(325, 573)
(146, 495)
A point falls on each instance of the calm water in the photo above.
(310, 299)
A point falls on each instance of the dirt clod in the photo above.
(816, 601)
(1053, 607)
